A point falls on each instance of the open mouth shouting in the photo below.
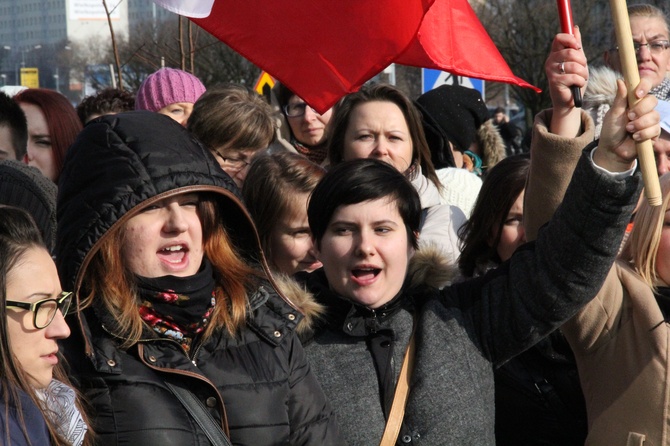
(174, 257)
(364, 274)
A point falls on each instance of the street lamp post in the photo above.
(4, 76)
(23, 54)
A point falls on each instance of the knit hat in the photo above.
(451, 113)
(25, 187)
(167, 86)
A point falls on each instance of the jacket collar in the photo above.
(351, 317)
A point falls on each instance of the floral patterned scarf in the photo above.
(178, 307)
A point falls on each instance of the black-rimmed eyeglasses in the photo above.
(655, 47)
(44, 310)
(297, 110)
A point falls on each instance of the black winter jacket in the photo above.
(259, 381)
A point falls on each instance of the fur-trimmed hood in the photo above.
(427, 268)
(298, 294)
(491, 144)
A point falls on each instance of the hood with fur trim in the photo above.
(427, 268)
(491, 144)
(302, 299)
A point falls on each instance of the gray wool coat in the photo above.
(465, 330)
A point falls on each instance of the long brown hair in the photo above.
(480, 235)
(62, 120)
(110, 284)
(381, 93)
(271, 185)
(18, 235)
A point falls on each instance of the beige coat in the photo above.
(620, 339)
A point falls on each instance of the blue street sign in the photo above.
(434, 78)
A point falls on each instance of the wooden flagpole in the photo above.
(645, 150)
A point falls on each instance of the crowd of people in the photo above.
(189, 265)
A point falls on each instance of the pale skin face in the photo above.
(6, 147)
(499, 117)
(310, 128)
(662, 153)
(40, 153)
(179, 111)
(365, 252)
(378, 130)
(291, 246)
(235, 162)
(663, 253)
(512, 234)
(651, 66)
(34, 278)
(165, 239)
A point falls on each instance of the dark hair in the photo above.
(17, 224)
(270, 185)
(383, 93)
(498, 110)
(107, 101)
(18, 234)
(360, 180)
(283, 95)
(13, 118)
(501, 187)
(234, 117)
(61, 118)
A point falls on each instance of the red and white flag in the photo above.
(324, 49)
(452, 38)
(188, 8)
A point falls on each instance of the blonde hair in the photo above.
(644, 10)
(112, 286)
(641, 248)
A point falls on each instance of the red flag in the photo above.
(320, 49)
(452, 38)
(324, 49)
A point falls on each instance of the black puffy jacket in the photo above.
(259, 381)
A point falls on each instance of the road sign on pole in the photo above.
(264, 80)
(30, 77)
(434, 78)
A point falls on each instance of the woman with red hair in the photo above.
(53, 125)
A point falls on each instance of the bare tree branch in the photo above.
(114, 47)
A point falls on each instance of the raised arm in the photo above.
(547, 282)
(559, 133)
(566, 66)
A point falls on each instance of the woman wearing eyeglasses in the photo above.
(38, 405)
(176, 297)
(235, 124)
(651, 38)
(307, 127)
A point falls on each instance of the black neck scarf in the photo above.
(178, 307)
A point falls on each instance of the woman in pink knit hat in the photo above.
(171, 92)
